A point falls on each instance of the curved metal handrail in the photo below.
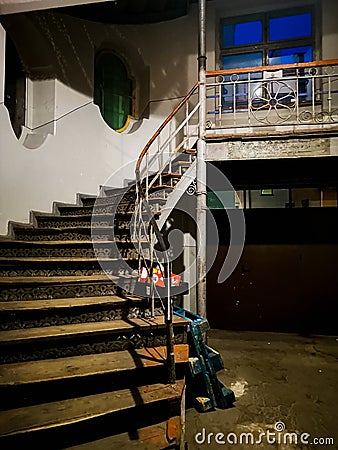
(143, 201)
(158, 132)
(321, 63)
(143, 154)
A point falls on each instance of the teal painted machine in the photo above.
(204, 363)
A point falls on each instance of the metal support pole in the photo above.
(201, 166)
(169, 328)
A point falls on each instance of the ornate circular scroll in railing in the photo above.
(323, 117)
(273, 102)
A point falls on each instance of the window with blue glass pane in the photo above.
(294, 55)
(242, 61)
(290, 55)
(241, 89)
(290, 27)
(242, 33)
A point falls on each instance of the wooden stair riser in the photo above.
(130, 189)
(71, 211)
(128, 198)
(91, 428)
(66, 289)
(28, 383)
(72, 234)
(119, 220)
(18, 319)
(29, 394)
(84, 249)
(101, 221)
(64, 267)
(85, 344)
(90, 209)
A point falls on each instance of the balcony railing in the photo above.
(301, 96)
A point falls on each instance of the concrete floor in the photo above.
(276, 378)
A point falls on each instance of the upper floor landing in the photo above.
(279, 100)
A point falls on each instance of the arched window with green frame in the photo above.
(112, 90)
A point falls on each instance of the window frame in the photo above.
(267, 45)
(101, 53)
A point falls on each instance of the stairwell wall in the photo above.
(77, 151)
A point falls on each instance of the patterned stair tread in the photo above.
(190, 151)
(70, 259)
(85, 329)
(63, 303)
(71, 411)
(108, 200)
(71, 229)
(29, 372)
(17, 242)
(171, 175)
(8, 281)
(158, 187)
(85, 243)
(89, 216)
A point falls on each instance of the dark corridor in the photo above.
(287, 278)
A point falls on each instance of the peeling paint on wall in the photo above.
(285, 148)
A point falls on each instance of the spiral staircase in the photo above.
(89, 354)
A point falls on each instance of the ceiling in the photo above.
(130, 11)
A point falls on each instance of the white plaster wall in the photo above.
(2, 62)
(40, 110)
(84, 152)
(83, 155)
(330, 29)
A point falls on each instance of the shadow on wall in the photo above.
(53, 45)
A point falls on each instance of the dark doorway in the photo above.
(15, 87)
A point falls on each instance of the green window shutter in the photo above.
(113, 89)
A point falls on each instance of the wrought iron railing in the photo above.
(302, 95)
(154, 166)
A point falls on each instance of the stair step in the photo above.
(64, 266)
(6, 281)
(42, 313)
(83, 409)
(25, 373)
(66, 303)
(84, 329)
(29, 288)
(111, 199)
(127, 197)
(100, 248)
(37, 259)
(83, 220)
(71, 233)
(100, 209)
(190, 151)
(29, 344)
